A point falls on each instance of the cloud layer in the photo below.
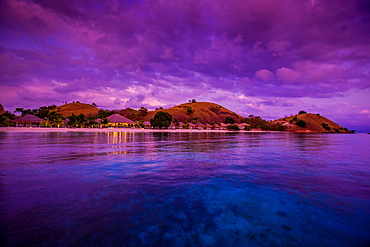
(255, 57)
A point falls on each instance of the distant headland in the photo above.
(190, 115)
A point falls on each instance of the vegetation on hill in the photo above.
(312, 122)
(78, 114)
(195, 112)
(77, 108)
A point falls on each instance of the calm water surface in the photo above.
(184, 189)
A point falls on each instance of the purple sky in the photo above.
(263, 57)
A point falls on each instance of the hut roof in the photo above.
(191, 125)
(146, 123)
(28, 119)
(117, 118)
(244, 124)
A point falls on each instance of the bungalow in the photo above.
(172, 126)
(200, 126)
(147, 125)
(191, 125)
(27, 121)
(208, 126)
(117, 120)
(243, 125)
(223, 126)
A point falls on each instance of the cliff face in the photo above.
(314, 123)
(204, 112)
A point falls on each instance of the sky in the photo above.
(268, 58)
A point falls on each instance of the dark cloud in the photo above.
(258, 48)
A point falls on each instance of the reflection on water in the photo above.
(184, 189)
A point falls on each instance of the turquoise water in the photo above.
(184, 189)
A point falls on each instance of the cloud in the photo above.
(287, 75)
(264, 75)
(174, 51)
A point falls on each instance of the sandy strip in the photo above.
(41, 129)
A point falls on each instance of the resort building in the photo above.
(28, 121)
(192, 126)
(117, 120)
(146, 125)
(243, 125)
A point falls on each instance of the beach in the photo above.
(43, 129)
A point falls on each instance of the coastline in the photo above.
(43, 129)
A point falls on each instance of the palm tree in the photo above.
(55, 119)
(104, 121)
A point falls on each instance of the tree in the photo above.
(104, 113)
(301, 123)
(104, 121)
(28, 111)
(143, 111)
(161, 119)
(95, 105)
(302, 112)
(189, 110)
(176, 122)
(55, 119)
(229, 120)
(77, 120)
(326, 126)
(233, 127)
(20, 110)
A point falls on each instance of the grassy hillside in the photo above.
(314, 123)
(203, 112)
(77, 108)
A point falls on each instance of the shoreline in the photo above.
(44, 129)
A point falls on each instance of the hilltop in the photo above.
(314, 123)
(203, 112)
(77, 108)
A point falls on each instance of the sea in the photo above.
(184, 189)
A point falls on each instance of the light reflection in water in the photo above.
(184, 189)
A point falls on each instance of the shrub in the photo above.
(265, 126)
(302, 112)
(301, 123)
(189, 110)
(277, 127)
(161, 119)
(229, 120)
(325, 126)
(233, 127)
